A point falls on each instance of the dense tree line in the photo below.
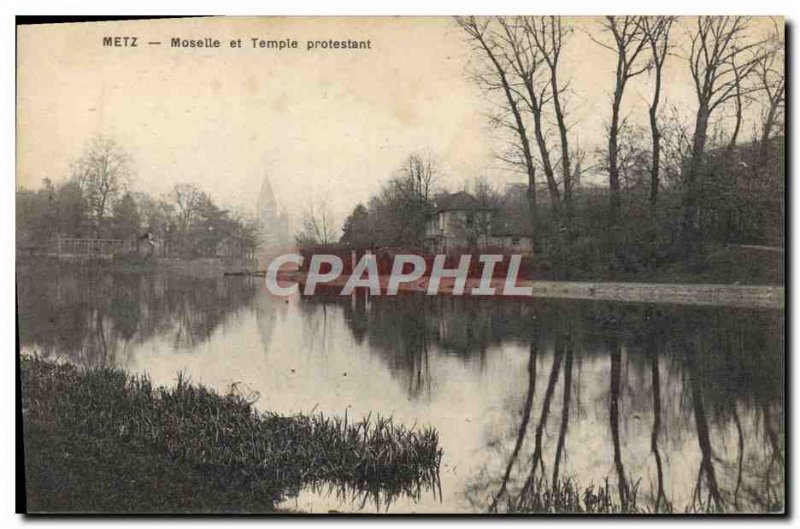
(395, 216)
(675, 193)
(97, 202)
(681, 192)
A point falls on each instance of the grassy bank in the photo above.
(104, 441)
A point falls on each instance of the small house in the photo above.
(462, 222)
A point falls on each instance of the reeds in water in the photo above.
(222, 437)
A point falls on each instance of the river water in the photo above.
(677, 406)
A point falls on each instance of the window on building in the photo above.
(514, 241)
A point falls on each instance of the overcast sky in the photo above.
(329, 124)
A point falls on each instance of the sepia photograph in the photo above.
(463, 265)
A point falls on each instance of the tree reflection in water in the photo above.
(678, 407)
(523, 428)
(661, 498)
(91, 317)
(718, 371)
(708, 368)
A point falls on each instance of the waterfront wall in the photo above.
(687, 294)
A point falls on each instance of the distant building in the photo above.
(273, 224)
(462, 222)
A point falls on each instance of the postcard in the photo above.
(402, 265)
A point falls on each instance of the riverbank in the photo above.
(757, 296)
(201, 267)
(100, 440)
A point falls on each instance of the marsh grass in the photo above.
(103, 440)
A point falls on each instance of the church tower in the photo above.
(272, 224)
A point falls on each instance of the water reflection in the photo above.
(722, 393)
(95, 317)
(724, 371)
(662, 407)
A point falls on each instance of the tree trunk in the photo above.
(562, 130)
(613, 164)
(522, 132)
(690, 219)
(656, 136)
(552, 185)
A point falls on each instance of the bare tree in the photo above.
(188, 199)
(522, 62)
(738, 104)
(548, 34)
(721, 57)
(420, 170)
(318, 226)
(771, 79)
(102, 172)
(656, 31)
(630, 39)
(770, 82)
(525, 61)
(497, 77)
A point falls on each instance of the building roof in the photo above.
(461, 201)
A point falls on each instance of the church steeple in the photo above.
(266, 199)
(273, 226)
